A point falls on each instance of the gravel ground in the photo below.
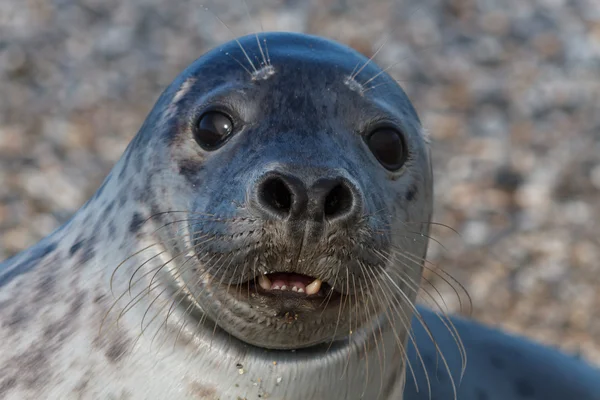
(508, 89)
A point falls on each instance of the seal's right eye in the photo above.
(212, 129)
(388, 146)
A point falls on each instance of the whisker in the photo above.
(192, 304)
(235, 38)
(337, 323)
(256, 34)
(220, 283)
(446, 320)
(393, 65)
(434, 269)
(384, 304)
(379, 351)
(425, 326)
(150, 287)
(448, 324)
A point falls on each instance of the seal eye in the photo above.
(388, 146)
(212, 129)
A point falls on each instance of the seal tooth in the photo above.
(264, 282)
(294, 289)
(300, 290)
(276, 287)
(284, 287)
(314, 287)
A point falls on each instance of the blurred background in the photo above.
(508, 89)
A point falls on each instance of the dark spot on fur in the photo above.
(56, 331)
(46, 284)
(117, 349)
(6, 385)
(108, 209)
(75, 248)
(202, 391)
(98, 299)
(524, 388)
(77, 304)
(17, 319)
(191, 169)
(412, 192)
(32, 365)
(136, 223)
(89, 250)
(113, 342)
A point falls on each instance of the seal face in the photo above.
(306, 195)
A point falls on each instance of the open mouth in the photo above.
(291, 285)
(285, 281)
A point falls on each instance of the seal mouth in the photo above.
(289, 285)
(283, 282)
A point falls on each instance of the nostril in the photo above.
(275, 195)
(338, 201)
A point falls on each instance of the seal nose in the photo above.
(286, 196)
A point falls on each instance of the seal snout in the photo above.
(287, 196)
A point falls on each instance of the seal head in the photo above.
(307, 196)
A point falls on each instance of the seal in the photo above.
(263, 236)
(499, 366)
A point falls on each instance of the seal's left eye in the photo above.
(212, 129)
